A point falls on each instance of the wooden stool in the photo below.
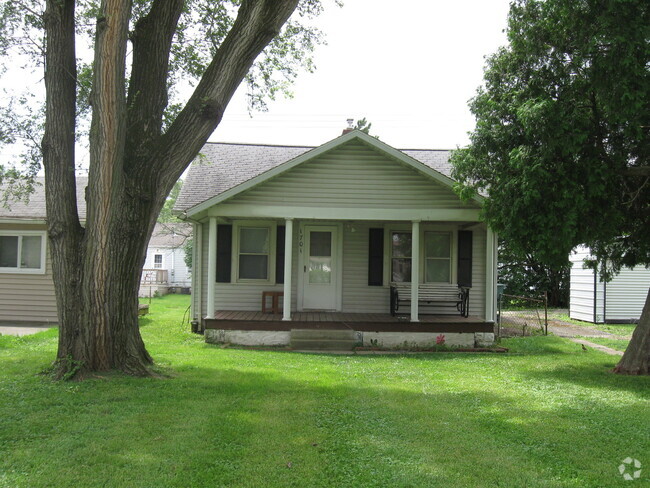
(275, 301)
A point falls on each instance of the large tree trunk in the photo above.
(636, 359)
(97, 266)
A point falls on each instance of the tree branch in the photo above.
(107, 130)
(257, 23)
(634, 171)
(147, 98)
(59, 137)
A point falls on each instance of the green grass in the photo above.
(546, 414)
(618, 344)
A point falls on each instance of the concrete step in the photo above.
(322, 340)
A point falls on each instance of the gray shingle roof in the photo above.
(170, 234)
(34, 207)
(222, 166)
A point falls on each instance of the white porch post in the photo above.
(415, 270)
(490, 276)
(212, 266)
(288, 242)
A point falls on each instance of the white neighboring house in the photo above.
(619, 301)
(164, 268)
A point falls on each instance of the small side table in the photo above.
(275, 301)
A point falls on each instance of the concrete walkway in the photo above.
(598, 347)
(577, 333)
(21, 330)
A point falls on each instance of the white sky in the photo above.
(409, 67)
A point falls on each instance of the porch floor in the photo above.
(369, 322)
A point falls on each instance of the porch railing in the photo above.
(154, 277)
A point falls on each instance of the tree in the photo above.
(139, 141)
(524, 275)
(562, 139)
(165, 214)
(364, 126)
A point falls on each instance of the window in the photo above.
(401, 257)
(22, 252)
(157, 261)
(254, 253)
(437, 257)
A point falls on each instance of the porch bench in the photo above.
(430, 293)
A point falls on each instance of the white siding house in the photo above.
(330, 229)
(619, 300)
(164, 267)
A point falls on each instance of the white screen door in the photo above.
(320, 268)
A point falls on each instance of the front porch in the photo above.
(369, 322)
(344, 331)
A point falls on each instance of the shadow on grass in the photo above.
(598, 376)
(312, 421)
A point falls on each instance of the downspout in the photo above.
(595, 293)
(197, 291)
(604, 302)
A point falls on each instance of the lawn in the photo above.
(546, 414)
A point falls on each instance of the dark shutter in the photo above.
(279, 254)
(376, 257)
(465, 258)
(224, 253)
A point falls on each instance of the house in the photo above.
(164, 268)
(317, 235)
(620, 300)
(26, 286)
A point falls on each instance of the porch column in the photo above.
(288, 242)
(212, 266)
(490, 275)
(415, 270)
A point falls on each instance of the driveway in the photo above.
(21, 330)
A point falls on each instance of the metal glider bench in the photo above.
(430, 294)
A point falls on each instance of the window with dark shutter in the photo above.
(279, 254)
(465, 258)
(224, 253)
(376, 257)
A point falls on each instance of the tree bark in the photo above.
(97, 266)
(636, 359)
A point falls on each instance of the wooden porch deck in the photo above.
(238, 320)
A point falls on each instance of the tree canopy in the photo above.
(562, 133)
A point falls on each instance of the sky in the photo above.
(408, 67)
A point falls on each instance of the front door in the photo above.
(320, 268)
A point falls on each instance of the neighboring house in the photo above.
(620, 300)
(26, 287)
(164, 269)
(326, 230)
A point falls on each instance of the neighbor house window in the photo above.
(401, 248)
(437, 257)
(254, 253)
(22, 252)
(157, 261)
